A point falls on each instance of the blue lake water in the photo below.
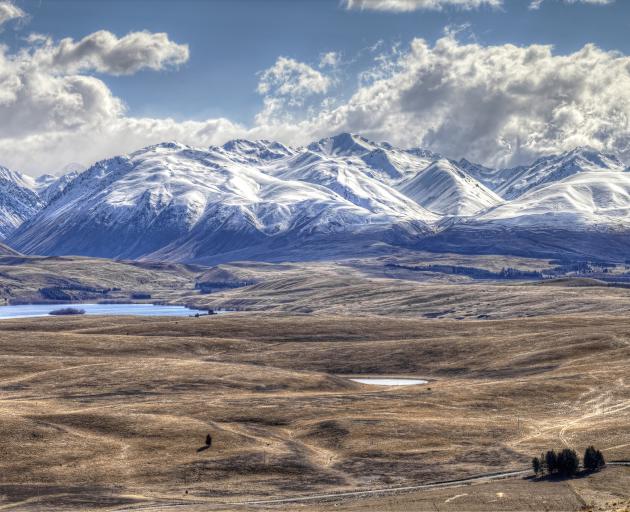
(34, 310)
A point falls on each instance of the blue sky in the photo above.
(231, 43)
(232, 40)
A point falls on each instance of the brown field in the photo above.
(21, 278)
(109, 412)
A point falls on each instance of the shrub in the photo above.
(140, 295)
(67, 311)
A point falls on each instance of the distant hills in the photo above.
(340, 196)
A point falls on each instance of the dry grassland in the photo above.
(109, 412)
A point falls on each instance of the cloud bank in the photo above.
(499, 105)
(102, 51)
(417, 5)
(535, 4)
(439, 5)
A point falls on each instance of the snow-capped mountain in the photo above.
(171, 201)
(22, 196)
(386, 162)
(519, 180)
(18, 200)
(50, 186)
(586, 214)
(590, 198)
(340, 195)
(447, 190)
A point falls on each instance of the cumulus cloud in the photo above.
(103, 52)
(499, 105)
(292, 79)
(288, 85)
(330, 60)
(47, 99)
(416, 5)
(10, 11)
(41, 88)
(535, 4)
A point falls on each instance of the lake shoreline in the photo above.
(14, 311)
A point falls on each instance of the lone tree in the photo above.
(536, 466)
(593, 459)
(208, 440)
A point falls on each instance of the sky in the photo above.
(500, 82)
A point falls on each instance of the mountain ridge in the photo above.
(263, 199)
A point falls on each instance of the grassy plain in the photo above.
(109, 412)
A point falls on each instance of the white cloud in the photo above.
(535, 4)
(330, 60)
(10, 11)
(499, 105)
(102, 51)
(416, 5)
(293, 79)
(47, 100)
(45, 151)
(41, 88)
(288, 85)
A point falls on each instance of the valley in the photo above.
(401, 284)
(327, 255)
(349, 268)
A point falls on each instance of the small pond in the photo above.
(389, 381)
(35, 310)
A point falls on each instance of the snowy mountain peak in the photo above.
(159, 147)
(259, 199)
(258, 149)
(18, 200)
(577, 160)
(445, 189)
(344, 144)
(17, 177)
(553, 168)
(170, 201)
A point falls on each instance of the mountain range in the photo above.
(342, 195)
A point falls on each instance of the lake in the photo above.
(35, 310)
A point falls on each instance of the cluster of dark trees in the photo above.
(474, 272)
(581, 267)
(70, 292)
(566, 463)
(213, 286)
(140, 295)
